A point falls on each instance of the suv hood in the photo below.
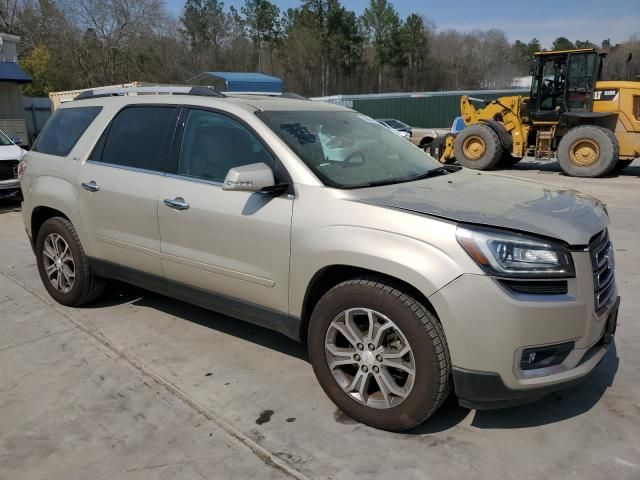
(496, 200)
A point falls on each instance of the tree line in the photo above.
(318, 48)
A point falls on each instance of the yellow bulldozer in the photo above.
(591, 126)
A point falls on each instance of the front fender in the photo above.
(418, 263)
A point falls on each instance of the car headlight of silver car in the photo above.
(506, 254)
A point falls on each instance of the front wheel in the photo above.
(379, 354)
(478, 147)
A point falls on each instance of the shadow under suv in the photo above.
(406, 278)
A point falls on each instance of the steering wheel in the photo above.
(349, 161)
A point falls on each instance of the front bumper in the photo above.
(488, 329)
(486, 390)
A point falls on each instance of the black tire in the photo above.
(425, 143)
(436, 148)
(621, 165)
(86, 286)
(493, 149)
(424, 335)
(607, 151)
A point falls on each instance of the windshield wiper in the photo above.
(434, 172)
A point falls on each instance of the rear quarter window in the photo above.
(64, 129)
(138, 137)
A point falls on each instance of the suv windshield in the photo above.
(4, 140)
(349, 150)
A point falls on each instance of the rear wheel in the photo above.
(478, 146)
(379, 354)
(63, 265)
(588, 151)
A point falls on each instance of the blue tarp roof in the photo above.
(246, 81)
(11, 72)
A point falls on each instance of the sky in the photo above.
(544, 19)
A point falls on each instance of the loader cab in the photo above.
(563, 81)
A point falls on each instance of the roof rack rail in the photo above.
(289, 95)
(160, 90)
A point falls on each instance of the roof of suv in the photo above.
(273, 102)
(251, 102)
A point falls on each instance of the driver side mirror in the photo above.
(256, 177)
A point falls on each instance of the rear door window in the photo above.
(138, 137)
(64, 129)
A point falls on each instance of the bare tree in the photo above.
(320, 47)
(8, 16)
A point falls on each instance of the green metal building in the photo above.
(423, 109)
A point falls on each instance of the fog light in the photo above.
(542, 357)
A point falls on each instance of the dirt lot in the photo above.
(142, 386)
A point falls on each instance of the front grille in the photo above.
(603, 263)
(540, 287)
(8, 169)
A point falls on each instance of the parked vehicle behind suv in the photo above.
(10, 157)
(406, 278)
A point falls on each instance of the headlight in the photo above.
(507, 254)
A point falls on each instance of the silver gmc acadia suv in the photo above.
(406, 278)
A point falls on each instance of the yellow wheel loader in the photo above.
(591, 126)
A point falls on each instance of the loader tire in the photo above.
(478, 147)
(588, 151)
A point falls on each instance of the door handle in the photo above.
(177, 203)
(90, 186)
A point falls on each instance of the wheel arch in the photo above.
(48, 197)
(41, 214)
(569, 120)
(331, 275)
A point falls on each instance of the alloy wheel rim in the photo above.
(584, 152)
(59, 265)
(473, 147)
(370, 358)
